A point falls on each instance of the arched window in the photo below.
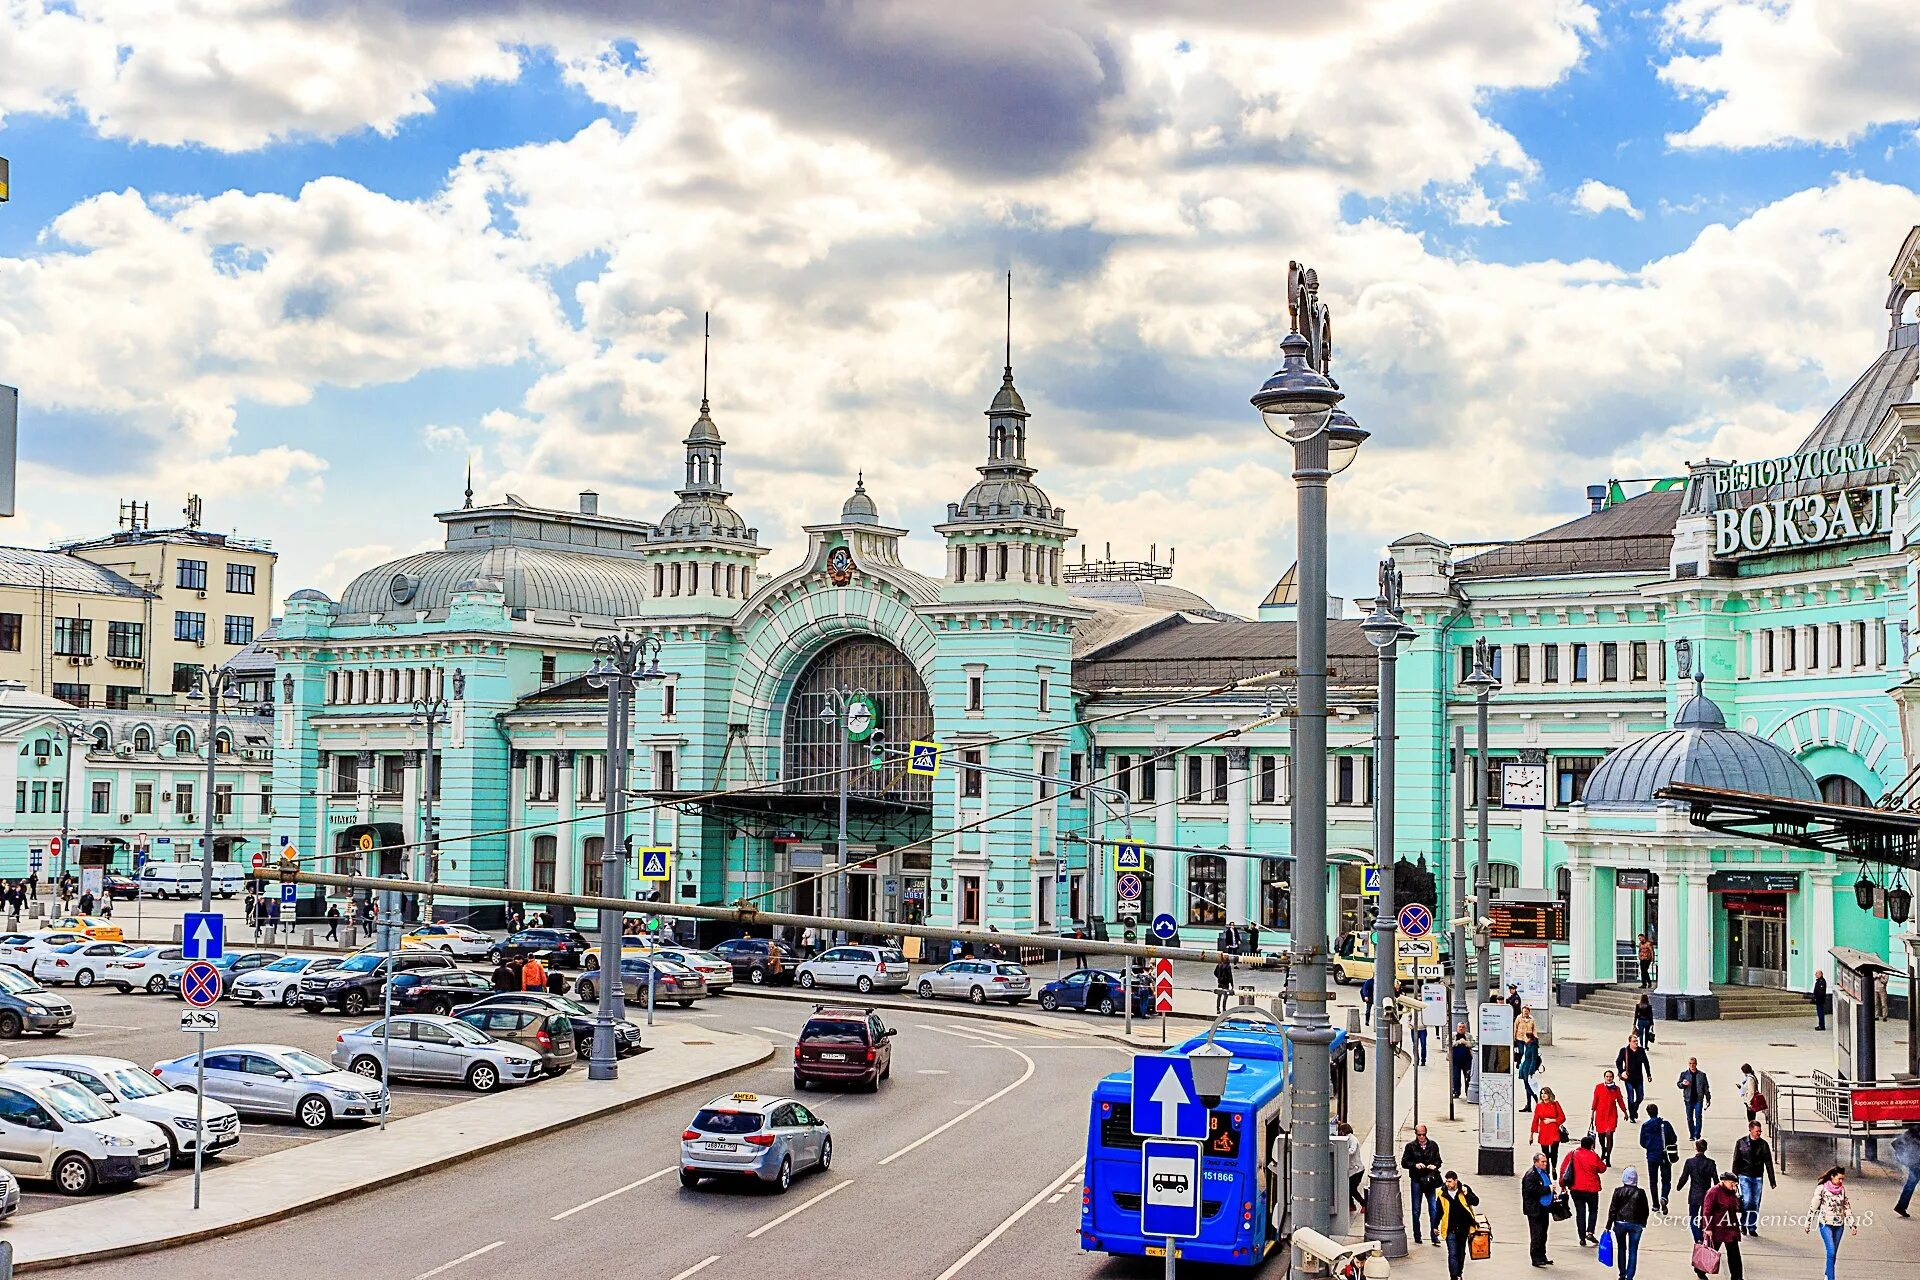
(1206, 889)
(102, 739)
(545, 849)
(1563, 884)
(223, 742)
(1839, 790)
(590, 852)
(182, 742)
(811, 745)
(143, 739)
(1503, 875)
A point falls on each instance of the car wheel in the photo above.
(864, 984)
(926, 989)
(73, 1174)
(9, 1025)
(173, 1149)
(482, 1077)
(826, 1155)
(806, 980)
(494, 956)
(439, 1008)
(799, 1083)
(1049, 1001)
(313, 1112)
(785, 1180)
(684, 1004)
(354, 1003)
(365, 1065)
(156, 984)
(757, 976)
(290, 998)
(689, 1179)
(1107, 1006)
(873, 1085)
(585, 988)
(84, 978)
(977, 995)
(446, 950)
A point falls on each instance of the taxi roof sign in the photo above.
(746, 1097)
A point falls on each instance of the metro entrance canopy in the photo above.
(1890, 837)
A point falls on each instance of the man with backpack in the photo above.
(1662, 1146)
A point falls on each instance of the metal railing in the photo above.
(1817, 1105)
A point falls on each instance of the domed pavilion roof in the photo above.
(1700, 749)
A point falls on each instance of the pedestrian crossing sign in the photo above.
(1128, 855)
(923, 759)
(655, 864)
(1370, 882)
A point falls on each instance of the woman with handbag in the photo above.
(1458, 1220)
(1526, 1062)
(1720, 1215)
(1833, 1211)
(1627, 1215)
(1580, 1175)
(1549, 1124)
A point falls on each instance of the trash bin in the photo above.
(1680, 1009)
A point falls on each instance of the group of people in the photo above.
(532, 973)
(15, 894)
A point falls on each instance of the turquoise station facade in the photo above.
(1077, 703)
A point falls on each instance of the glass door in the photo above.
(1757, 949)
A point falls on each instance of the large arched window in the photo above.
(1839, 790)
(1206, 889)
(811, 748)
(143, 739)
(182, 742)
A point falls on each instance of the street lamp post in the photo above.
(1298, 405)
(214, 683)
(1483, 683)
(1386, 1217)
(430, 711)
(620, 662)
(851, 712)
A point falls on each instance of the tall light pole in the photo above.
(1298, 404)
(213, 684)
(1483, 683)
(855, 718)
(620, 662)
(1384, 629)
(429, 711)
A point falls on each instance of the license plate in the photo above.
(226, 1139)
(718, 1146)
(833, 1057)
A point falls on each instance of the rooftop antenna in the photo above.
(1009, 323)
(193, 510)
(706, 343)
(469, 495)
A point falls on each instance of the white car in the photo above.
(81, 963)
(132, 1091)
(53, 1129)
(279, 1080)
(21, 949)
(279, 982)
(449, 939)
(862, 968)
(717, 972)
(144, 969)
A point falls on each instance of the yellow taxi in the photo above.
(98, 928)
(631, 945)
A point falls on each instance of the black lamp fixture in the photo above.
(1899, 899)
(1863, 890)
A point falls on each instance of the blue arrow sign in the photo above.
(1370, 881)
(1165, 926)
(1415, 920)
(1170, 1205)
(200, 984)
(203, 935)
(1165, 1103)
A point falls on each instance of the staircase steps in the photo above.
(1736, 1003)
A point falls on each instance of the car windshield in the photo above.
(131, 1082)
(14, 982)
(287, 964)
(835, 1030)
(461, 1031)
(72, 1103)
(711, 1121)
(571, 1005)
(305, 1063)
(365, 963)
(69, 949)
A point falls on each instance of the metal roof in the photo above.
(25, 567)
(581, 582)
(1700, 750)
(1187, 652)
(1628, 536)
(1151, 595)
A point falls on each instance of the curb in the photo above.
(194, 1235)
(944, 1008)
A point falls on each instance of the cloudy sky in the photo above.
(309, 257)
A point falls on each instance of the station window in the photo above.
(1639, 660)
(1579, 664)
(1523, 664)
(970, 899)
(1219, 779)
(1550, 663)
(976, 693)
(1610, 663)
(1195, 790)
(970, 785)
(1570, 777)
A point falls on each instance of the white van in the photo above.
(182, 879)
(54, 1129)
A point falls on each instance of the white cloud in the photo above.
(1777, 71)
(1596, 197)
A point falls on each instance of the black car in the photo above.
(120, 886)
(565, 947)
(355, 986)
(626, 1034)
(759, 961)
(435, 990)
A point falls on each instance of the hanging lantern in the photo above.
(1899, 900)
(1863, 891)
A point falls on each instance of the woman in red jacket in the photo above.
(1607, 1106)
(1720, 1223)
(1580, 1175)
(1549, 1122)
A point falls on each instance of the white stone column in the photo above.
(1580, 930)
(567, 804)
(1669, 948)
(1533, 848)
(1698, 960)
(1817, 886)
(363, 797)
(1168, 867)
(1240, 871)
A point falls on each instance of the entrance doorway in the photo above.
(1757, 944)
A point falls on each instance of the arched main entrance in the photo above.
(811, 744)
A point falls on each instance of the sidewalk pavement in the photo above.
(1584, 1045)
(270, 1187)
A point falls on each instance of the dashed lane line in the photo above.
(465, 1257)
(637, 1182)
(698, 1267)
(984, 1102)
(800, 1208)
(1007, 1223)
(775, 1031)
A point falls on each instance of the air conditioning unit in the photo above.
(220, 819)
(73, 662)
(124, 749)
(86, 662)
(125, 818)
(201, 595)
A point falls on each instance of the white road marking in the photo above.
(638, 1182)
(1056, 1197)
(802, 1207)
(932, 1071)
(775, 1031)
(465, 1257)
(698, 1267)
(1007, 1224)
(960, 1035)
(997, 1035)
(986, 1101)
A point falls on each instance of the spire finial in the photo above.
(1009, 323)
(469, 496)
(706, 343)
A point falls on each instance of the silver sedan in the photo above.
(428, 1047)
(978, 981)
(279, 1080)
(746, 1135)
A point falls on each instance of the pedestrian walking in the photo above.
(506, 976)
(1421, 1159)
(252, 906)
(1420, 1043)
(333, 922)
(1523, 1022)
(1627, 1214)
(1833, 1211)
(1822, 1000)
(106, 906)
(1366, 1001)
(33, 884)
(1696, 1094)
(1662, 1146)
(1753, 1166)
(1751, 1095)
(1462, 1059)
(1697, 1177)
(1253, 937)
(1906, 1154)
(1634, 1067)
(1356, 1164)
(1229, 939)
(1537, 1196)
(1458, 1218)
(1222, 984)
(1580, 1175)
(86, 903)
(1720, 1226)
(1549, 1123)
(1514, 1002)
(1644, 951)
(1643, 1019)
(533, 974)
(1607, 1106)
(1526, 1063)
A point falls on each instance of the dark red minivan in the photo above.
(843, 1045)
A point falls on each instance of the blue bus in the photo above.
(1245, 1171)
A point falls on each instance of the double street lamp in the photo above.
(211, 684)
(429, 712)
(1300, 405)
(620, 663)
(1484, 684)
